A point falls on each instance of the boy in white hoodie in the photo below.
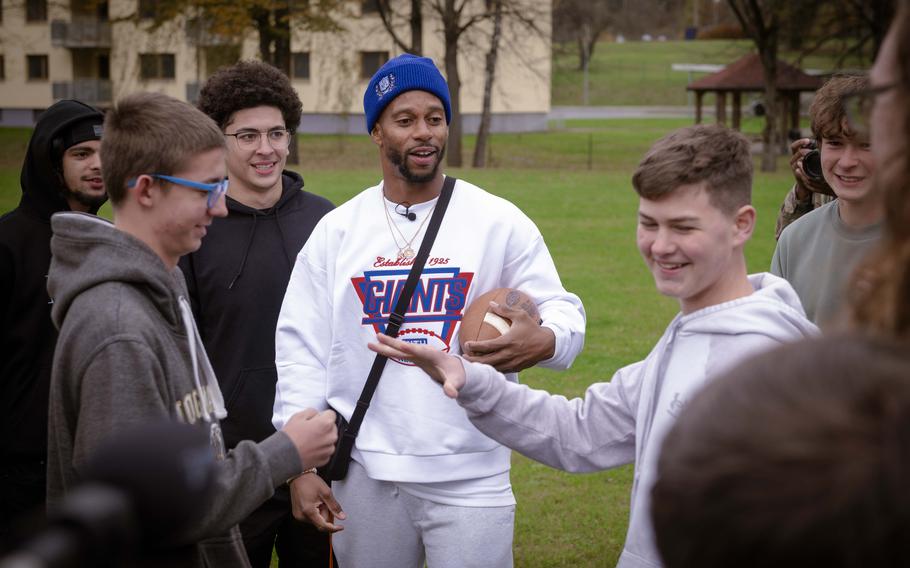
(694, 219)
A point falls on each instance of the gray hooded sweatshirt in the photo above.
(128, 353)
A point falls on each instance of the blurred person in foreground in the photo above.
(797, 458)
(880, 299)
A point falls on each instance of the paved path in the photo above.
(569, 112)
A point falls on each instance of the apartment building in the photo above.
(97, 51)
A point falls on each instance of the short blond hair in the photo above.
(152, 133)
(713, 154)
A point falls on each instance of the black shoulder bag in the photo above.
(337, 468)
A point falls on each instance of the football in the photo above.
(480, 322)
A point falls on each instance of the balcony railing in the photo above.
(199, 34)
(81, 32)
(192, 92)
(91, 91)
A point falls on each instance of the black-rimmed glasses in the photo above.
(278, 138)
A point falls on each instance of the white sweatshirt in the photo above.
(626, 419)
(341, 292)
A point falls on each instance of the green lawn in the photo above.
(588, 220)
(639, 73)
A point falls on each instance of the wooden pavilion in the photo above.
(745, 75)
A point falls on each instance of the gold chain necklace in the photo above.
(404, 251)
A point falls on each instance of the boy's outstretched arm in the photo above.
(445, 369)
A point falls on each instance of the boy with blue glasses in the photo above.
(214, 190)
(128, 350)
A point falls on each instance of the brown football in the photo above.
(480, 322)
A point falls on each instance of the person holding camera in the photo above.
(818, 252)
(810, 191)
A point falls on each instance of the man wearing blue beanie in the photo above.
(424, 485)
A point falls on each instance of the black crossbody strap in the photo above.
(401, 307)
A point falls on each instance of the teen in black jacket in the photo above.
(61, 172)
(237, 279)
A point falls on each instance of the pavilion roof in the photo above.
(746, 74)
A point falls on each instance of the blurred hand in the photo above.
(443, 368)
(312, 501)
(524, 345)
(313, 434)
(805, 186)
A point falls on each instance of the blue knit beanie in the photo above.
(401, 74)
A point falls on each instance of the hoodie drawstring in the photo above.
(212, 400)
(246, 251)
(284, 247)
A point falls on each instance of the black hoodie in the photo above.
(236, 282)
(27, 336)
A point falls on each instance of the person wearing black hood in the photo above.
(237, 279)
(62, 172)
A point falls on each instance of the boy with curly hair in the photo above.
(237, 279)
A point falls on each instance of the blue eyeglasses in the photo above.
(215, 190)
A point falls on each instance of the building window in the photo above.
(157, 66)
(371, 61)
(2, 68)
(300, 65)
(369, 7)
(148, 9)
(36, 10)
(37, 67)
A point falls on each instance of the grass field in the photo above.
(588, 220)
(639, 73)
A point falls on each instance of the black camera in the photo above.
(812, 163)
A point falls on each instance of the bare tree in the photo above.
(583, 22)
(390, 19)
(271, 19)
(760, 19)
(851, 29)
(483, 132)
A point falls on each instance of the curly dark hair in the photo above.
(248, 84)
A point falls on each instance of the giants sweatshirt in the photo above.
(345, 284)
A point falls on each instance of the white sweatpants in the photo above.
(389, 528)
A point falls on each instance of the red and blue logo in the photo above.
(435, 309)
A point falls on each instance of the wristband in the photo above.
(301, 474)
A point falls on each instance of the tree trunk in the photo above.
(282, 40)
(584, 46)
(261, 18)
(450, 23)
(761, 21)
(771, 135)
(483, 133)
(274, 29)
(416, 21)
